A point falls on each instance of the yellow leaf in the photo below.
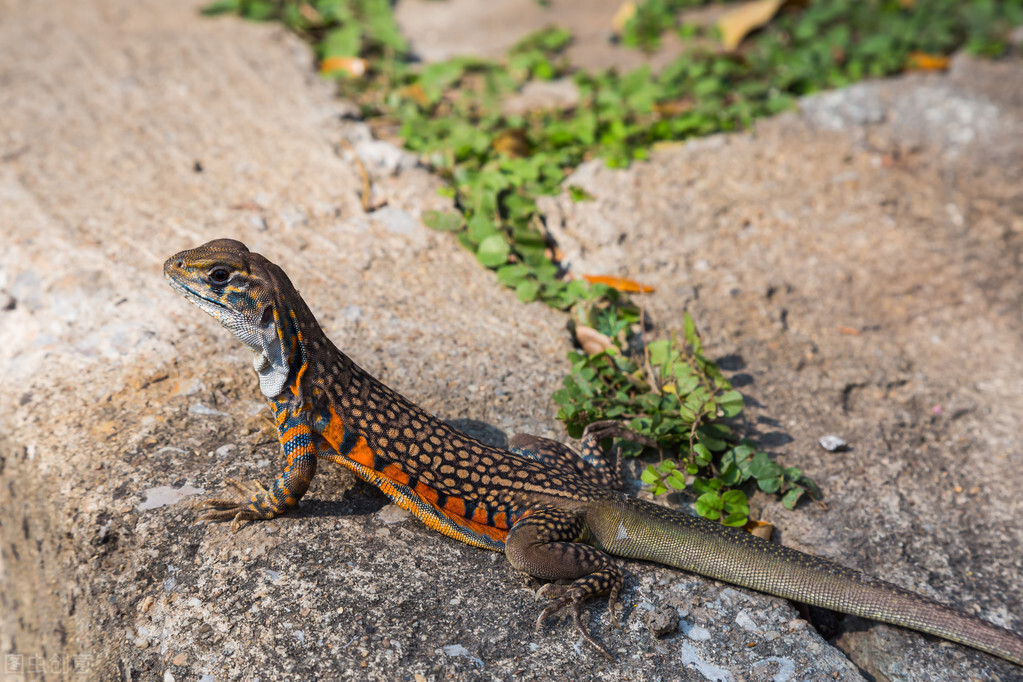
(619, 283)
(744, 19)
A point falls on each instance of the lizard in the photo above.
(557, 514)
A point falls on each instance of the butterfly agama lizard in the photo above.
(556, 514)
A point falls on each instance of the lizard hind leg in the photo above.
(545, 544)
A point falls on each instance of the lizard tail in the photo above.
(640, 530)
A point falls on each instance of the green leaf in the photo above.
(493, 251)
(527, 290)
(731, 403)
(342, 42)
(736, 519)
(692, 337)
(763, 466)
(446, 221)
(481, 227)
(650, 476)
(578, 194)
(221, 7)
(676, 480)
(708, 505)
(734, 497)
(791, 497)
(658, 351)
(258, 10)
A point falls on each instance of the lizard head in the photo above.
(248, 295)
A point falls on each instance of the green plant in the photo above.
(670, 392)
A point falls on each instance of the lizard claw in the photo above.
(250, 507)
(572, 597)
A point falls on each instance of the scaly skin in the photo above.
(556, 514)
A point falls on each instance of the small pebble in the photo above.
(663, 621)
(833, 443)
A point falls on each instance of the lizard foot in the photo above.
(612, 428)
(606, 581)
(252, 506)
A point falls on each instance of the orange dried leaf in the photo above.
(353, 66)
(850, 331)
(921, 61)
(762, 529)
(620, 283)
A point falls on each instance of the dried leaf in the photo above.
(675, 107)
(353, 66)
(921, 61)
(762, 529)
(625, 11)
(512, 142)
(310, 14)
(619, 283)
(416, 93)
(591, 340)
(746, 18)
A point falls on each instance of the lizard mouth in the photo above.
(208, 305)
(237, 324)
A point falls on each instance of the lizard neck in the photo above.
(292, 338)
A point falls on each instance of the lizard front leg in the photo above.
(546, 543)
(256, 502)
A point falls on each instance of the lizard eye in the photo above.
(220, 275)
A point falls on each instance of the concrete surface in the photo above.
(130, 130)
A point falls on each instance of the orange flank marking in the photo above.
(427, 493)
(301, 370)
(619, 283)
(455, 506)
(421, 502)
(498, 534)
(479, 515)
(334, 432)
(501, 520)
(395, 473)
(362, 453)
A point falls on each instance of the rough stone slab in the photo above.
(855, 265)
(129, 130)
